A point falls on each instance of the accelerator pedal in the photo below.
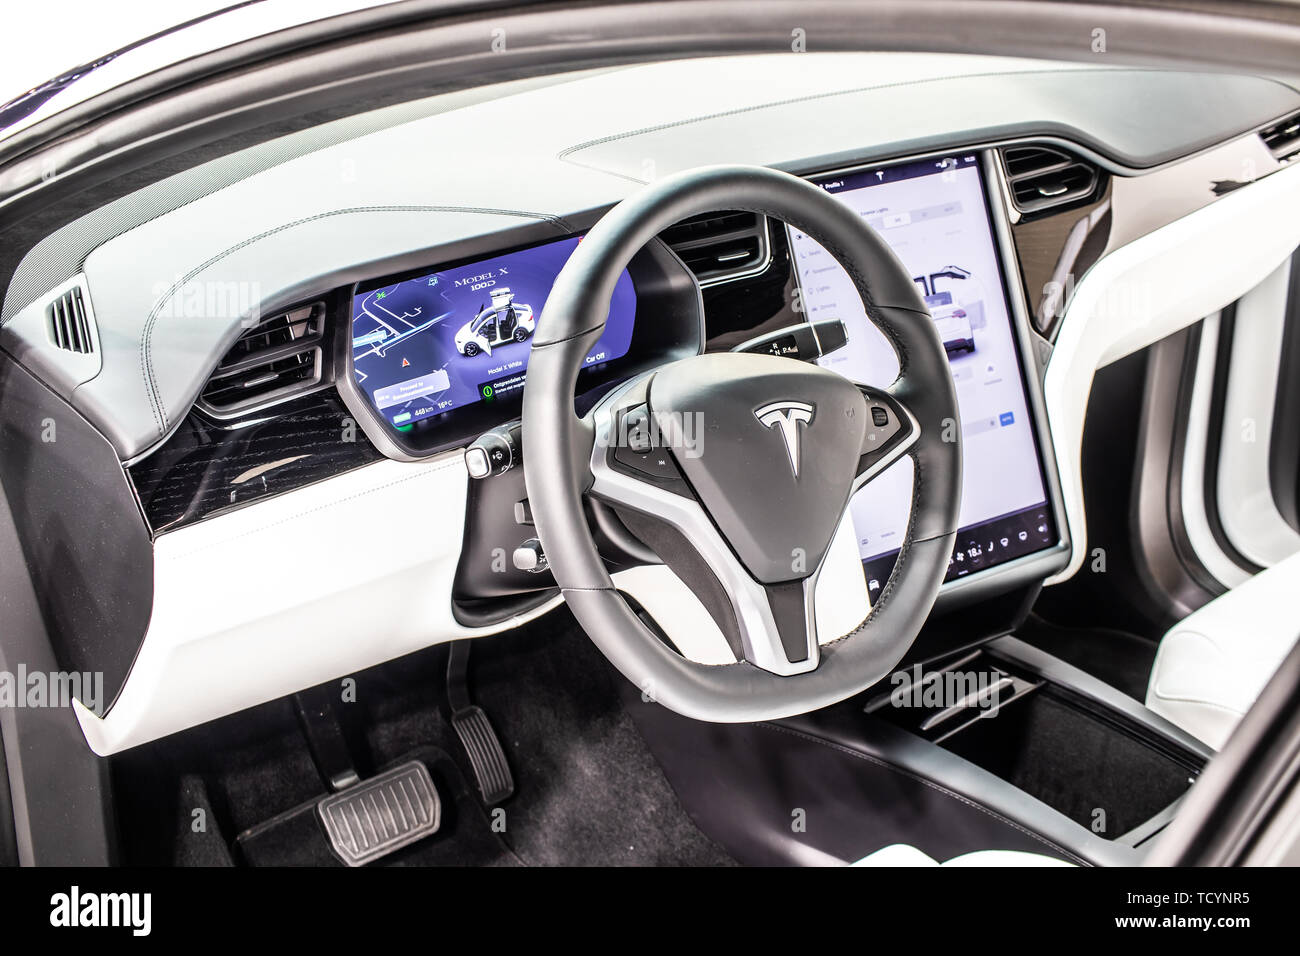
(487, 758)
(373, 818)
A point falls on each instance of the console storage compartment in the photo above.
(1105, 771)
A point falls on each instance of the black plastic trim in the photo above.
(60, 793)
(84, 539)
(1166, 564)
(1214, 437)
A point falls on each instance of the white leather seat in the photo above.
(1211, 666)
(901, 854)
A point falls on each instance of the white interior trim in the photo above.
(1150, 288)
(1245, 492)
(1195, 516)
(678, 612)
(841, 601)
(324, 581)
(303, 588)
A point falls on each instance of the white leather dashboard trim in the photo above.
(1245, 493)
(1213, 663)
(1150, 288)
(321, 582)
(297, 590)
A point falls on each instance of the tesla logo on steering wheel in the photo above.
(787, 415)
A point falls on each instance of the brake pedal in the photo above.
(374, 818)
(487, 758)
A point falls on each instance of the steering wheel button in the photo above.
(657, 467)
(636, 430)
(655, 464)
(879, 417)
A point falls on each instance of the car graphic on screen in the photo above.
(502, 322)
(952, 321)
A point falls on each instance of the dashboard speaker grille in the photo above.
(721, 246)
(277, 359)
(1283, 137)
(1044, 177)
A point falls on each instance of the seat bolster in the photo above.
(1211, 666)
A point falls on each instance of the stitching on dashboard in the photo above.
(568, 151)
(870, 758)
(422, 473)
(147, 371)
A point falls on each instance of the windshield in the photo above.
(116, 43)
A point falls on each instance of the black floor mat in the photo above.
(1118, 658)
(588, 792)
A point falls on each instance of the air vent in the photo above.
(69, 322)
(1283, 137)
(1042, 177)
(721, 246)
(275, 360)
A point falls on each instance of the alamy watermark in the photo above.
(24, 688)
(208, 299)
(942, 689)
(683, 432)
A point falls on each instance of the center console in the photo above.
(998, 747)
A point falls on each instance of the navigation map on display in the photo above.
(427, 345)
(934, 217)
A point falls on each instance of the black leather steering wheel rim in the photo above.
(557, 448)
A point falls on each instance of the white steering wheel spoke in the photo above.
(776, 623)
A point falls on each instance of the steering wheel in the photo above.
(751, 507)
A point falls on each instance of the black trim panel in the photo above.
(83, 537)
(207, 468)
(1214, 431)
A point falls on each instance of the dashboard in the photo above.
(427, 347)
(291, 455)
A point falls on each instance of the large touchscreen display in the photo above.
(424, 346)
(934, 216)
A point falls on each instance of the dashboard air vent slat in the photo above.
(720, 246)
(1283, 137)
(277, 359)
(69, 323)
(1043, 177)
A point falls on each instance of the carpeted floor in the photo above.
(588, 791)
